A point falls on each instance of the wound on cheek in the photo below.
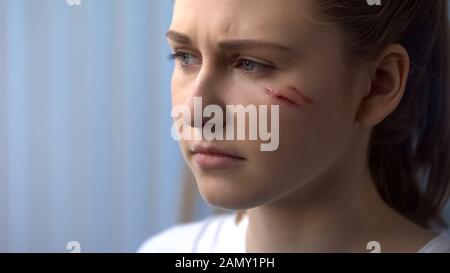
(300, 98)
(301, 95)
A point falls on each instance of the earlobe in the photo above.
(386, 87)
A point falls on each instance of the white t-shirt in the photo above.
(221, 234)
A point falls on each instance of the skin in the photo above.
(315, 192)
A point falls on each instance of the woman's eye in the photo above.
(250, 66)
(185, 59)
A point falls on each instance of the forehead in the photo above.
(274, 19)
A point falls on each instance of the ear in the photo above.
(387, 86)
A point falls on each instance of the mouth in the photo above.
(208, 156)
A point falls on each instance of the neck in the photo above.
(340, 211)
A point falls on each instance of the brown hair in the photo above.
(409, 152)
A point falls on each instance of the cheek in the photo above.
(309, 141)
(318, 127)
(175, 94)
(178, 99)
(180, 93)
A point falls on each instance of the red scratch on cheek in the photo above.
(301, 95)
(301, 100)
(281, 97)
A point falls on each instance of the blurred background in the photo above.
(85, 148)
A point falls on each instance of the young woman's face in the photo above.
(237, 53)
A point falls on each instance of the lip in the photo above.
(208, 156)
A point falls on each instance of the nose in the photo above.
(206, 90)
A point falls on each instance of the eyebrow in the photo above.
(178, 37)
(229, 45)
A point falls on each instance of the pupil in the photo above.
(186, 58)
(249, 65)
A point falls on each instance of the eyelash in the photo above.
(180, 57)
(266, 68)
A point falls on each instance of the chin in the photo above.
(236, 194)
